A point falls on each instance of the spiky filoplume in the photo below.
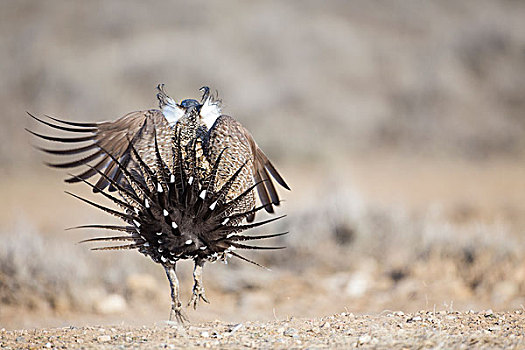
(176, 214)
(185, 187)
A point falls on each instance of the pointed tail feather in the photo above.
(66, 122)
(129, 229)
(63, 128)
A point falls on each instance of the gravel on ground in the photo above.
(389, 330)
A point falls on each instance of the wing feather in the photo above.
(227, 132)
(114, 137)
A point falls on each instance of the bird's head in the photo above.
(208, 108)
(189, 103)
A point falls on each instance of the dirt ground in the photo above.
(391, 330)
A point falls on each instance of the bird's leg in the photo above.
(198, 287)
(176, 306)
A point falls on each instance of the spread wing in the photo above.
(93, 141)
(242, 148)
(262, 169)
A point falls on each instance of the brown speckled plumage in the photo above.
(230, 135)
(184, 190)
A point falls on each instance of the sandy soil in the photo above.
(393, 330)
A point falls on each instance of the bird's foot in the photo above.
(198, 294)
(177, 315)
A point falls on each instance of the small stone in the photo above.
(291, 332)
(48, 345)
(205, 334)
(103, 338)
(364, 339)
(235, 328)
(489, 313)
(216, 335)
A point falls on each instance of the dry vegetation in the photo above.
(399, 127)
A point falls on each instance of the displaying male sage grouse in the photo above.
(185, 177)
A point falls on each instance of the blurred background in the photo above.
(399, 125)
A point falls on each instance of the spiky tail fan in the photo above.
(176, 213)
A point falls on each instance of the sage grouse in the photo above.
(185, 177)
